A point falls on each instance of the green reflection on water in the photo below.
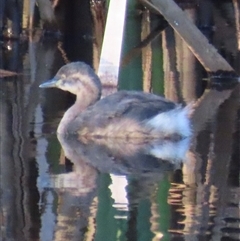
(164, 208)
(53, 155)
(108, 228)
(143, 223)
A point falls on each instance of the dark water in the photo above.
(112, 190)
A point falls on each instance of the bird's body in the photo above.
(130, 114)
(124, 114)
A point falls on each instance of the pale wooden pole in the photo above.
(112, 43)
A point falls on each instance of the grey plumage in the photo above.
(125, 114)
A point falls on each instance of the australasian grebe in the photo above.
(124, 114)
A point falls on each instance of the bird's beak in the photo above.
(50, 83)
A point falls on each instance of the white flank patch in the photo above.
(175, 121)
(174, 152)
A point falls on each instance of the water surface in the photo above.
(113, 190)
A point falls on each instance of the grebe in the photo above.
(124, 114)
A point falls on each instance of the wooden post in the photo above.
(211, 60)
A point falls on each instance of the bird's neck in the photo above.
(81, 103)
